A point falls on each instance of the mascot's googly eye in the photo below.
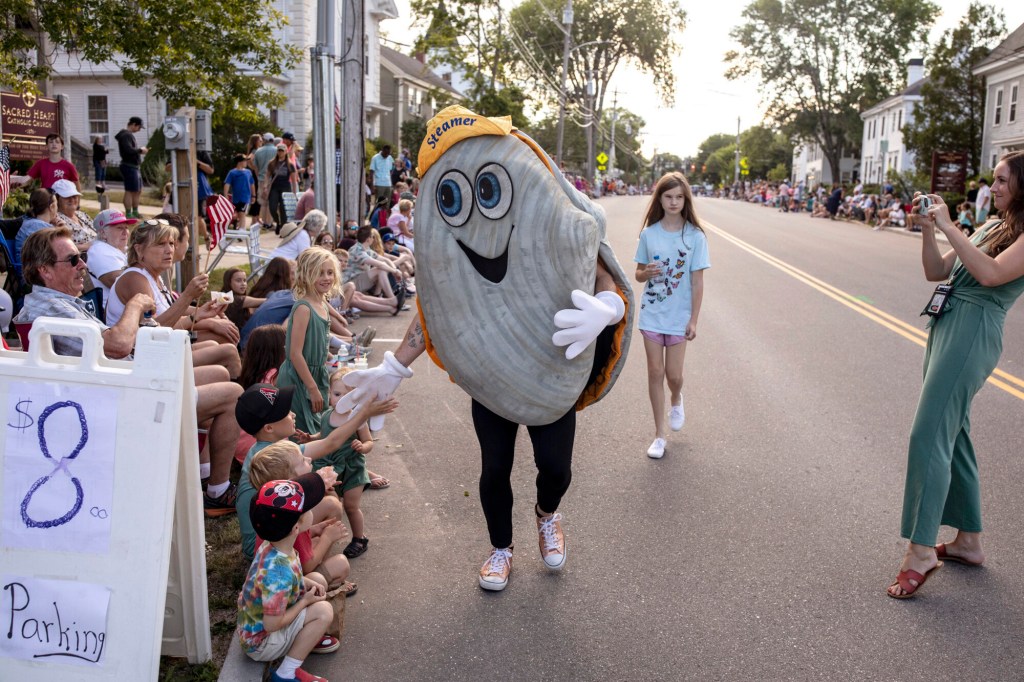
(455, 198)
(493, 191)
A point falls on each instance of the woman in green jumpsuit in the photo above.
(964, 344)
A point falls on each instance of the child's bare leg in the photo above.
(318, 619)
(674, 356)
(355, 514)
(655, 384)
(329, 508)
(336, 569)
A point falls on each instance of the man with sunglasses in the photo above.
(52, 264)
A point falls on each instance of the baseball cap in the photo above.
(135, 120)
(282, 147)
(262, 404)
(65, 189)
(109, 218)
(280, 504)
(268, 137)
(407, 195)
(388, 237)
(288, 136)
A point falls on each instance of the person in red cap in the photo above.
(280, 612)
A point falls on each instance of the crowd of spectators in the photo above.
(880, 210)
(242, 336)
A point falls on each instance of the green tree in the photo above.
(821, 62)
(765, 150)
(412, 133)
(949, 116)
(711, 145)
(212, 55)
(643, 33)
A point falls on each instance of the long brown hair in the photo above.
(276, 277)
(999, 238)
(264, 350)
(668, 181)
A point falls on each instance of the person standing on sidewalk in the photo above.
(983, 205)
(381, 166)
(986, 273)
(51, 169)
(131, 162)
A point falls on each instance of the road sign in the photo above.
(602, 158)
(601, 168)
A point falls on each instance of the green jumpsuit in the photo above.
(963, 348)
(314, 350)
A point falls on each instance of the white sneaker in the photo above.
(657, 449)
(495, 571)
(552, 541)
(676, 416)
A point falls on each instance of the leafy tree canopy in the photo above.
(949, 116)
(211, 55)
(820, 62)
(641, 32)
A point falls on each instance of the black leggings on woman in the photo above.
(277, 209)
(552, 452)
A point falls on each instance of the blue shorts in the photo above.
(132, 178)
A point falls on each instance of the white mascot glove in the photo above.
(373, 384)
(581, 326)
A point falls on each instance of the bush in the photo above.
(16, 204)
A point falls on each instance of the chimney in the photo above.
(421, 57)
(915, 71)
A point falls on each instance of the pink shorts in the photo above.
(662, 339)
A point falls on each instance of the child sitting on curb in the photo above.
(318, 548)
(264, 411)
(280, 612)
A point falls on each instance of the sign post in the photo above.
(27, 120)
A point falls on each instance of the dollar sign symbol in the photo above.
(25, 423)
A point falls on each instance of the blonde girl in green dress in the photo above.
(317, 280)
(986, 272)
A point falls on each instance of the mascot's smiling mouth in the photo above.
(491, 269)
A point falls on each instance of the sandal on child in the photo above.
(356, 548)
(378, 483)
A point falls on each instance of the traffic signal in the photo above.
(693, 167)
(704, 168)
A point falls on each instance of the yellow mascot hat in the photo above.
(453, 124)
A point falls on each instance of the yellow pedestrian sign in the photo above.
(602, 158)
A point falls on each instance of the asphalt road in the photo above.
(759, 547)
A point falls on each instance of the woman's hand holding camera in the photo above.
(932, 211)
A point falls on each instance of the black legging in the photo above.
(552, 452)
(277, 210)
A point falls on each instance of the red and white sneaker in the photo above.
(552, 541)
(495, 571)
(326, 645)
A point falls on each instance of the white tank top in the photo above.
(161, 296)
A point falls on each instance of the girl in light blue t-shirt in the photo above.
(670, 261)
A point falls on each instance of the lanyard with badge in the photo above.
(943, 292)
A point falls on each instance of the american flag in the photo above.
(337, 112)
(219, 212)
(5, 174)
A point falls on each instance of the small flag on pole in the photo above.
(5, 174)
(219, 212)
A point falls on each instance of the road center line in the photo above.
(880, 317)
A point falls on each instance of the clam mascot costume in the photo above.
(521, 302)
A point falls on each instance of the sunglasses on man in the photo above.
(74, 259)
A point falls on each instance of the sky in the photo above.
(706, 102)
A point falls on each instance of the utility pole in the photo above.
(353, 150)
(567, 30)
(321, 61)
(591, 172)
(736, 170)
(615, 116)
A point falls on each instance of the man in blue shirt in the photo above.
(381, 165)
